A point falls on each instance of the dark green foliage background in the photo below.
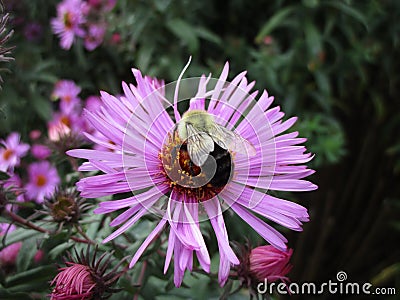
(335, 64)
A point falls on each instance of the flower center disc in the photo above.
(41, 180)
(198, 182)
(7, 154)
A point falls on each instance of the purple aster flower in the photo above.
(68, 22)
(64, 124)
(43, 181)
(11, 152)
(94, 36)
(152, 157)
(40, 151)
(67, 91)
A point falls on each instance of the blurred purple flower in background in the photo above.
(67, 92)
(43, 181)
(11, 152)
(40, 152)
(68, 23)
(94, 36)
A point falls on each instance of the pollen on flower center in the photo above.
(66, 121)
(67, 20)
(201, 183)
(67, 98)
(7, 154)
(41, 180)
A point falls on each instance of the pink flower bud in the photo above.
(267, 262)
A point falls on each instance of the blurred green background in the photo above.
(334, 64)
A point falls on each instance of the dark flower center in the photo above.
(41, 180)
(7, 154)
(67, 20)
(199, 182)
(65, 209)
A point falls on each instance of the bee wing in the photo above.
(228, 139)
(199, 145)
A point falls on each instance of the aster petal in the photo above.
(270, 234)
(113, 205)
(139, 211)
(147, 242)
(170, 249)
(269, 207)
(218, 88)
(227, 256)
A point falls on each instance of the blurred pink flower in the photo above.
(11, 152)
(94, 36)
(64, 124)
(115, 38)
(67, 91)
(38, 256)
(35, 134)
(40, 151)
(43, 181)
(57, 130)
(68, 22)
(9, 254)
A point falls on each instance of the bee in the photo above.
(202, 134)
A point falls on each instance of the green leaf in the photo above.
(274, 22)
(38, 274)
(185, 32)
(19, 235)
(58, 250)
(26, 254)
(4, 176)
(313, 38)
(347, 9)
(144, 57)
(208, 35)
(43, 107)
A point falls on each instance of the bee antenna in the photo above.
(176, 112)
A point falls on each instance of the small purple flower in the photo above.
(11, 152)
(67, 91)
(94, 36)
(40, 152)
(64, 124)
(43, 181)
(68, 22)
